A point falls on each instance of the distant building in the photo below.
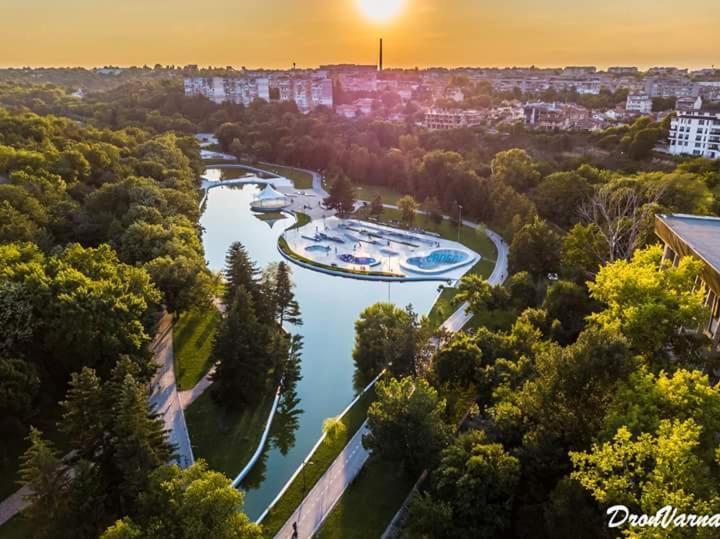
(619, 70)
(686, 104)
(695, 133)
(564, 116)
(444, 119)
(640, 103)
(574, 71)
(667, 71)
(307, 90)
(698, 237)
(454, 93)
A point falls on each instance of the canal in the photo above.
(330, 305)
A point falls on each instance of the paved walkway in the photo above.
(165, 396)
(320, 501)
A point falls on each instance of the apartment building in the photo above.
(563, 116)
(696, 133)
(308, 91)
(640, 103)
(445, 119)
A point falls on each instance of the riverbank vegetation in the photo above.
(193, 336)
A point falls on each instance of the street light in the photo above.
(460, 221)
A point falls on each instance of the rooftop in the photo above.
(701, 233)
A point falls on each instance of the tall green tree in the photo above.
(408, 206)
(407, 424)
(342, 195)
(536, 249)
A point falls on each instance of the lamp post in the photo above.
(460, 221)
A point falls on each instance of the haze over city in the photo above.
(422, 33)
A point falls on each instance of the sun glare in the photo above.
(380, 10)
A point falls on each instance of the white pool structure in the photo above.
(371, 251)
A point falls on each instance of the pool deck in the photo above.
(389, 248)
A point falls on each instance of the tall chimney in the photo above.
(381, 55)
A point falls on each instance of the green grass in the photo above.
(319, 463)
(226, 440)
(16, 528)
(301, 179)
(302, 220)
(369, 192)
(369, 503)
(193, 337)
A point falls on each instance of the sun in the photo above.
(381, 10)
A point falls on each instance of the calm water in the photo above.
(330, 306)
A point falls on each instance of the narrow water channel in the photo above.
(330, 305)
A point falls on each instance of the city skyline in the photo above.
(423, 33)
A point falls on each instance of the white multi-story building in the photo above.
(640, 103)
(443, 119)
(695, 133)
(307, 91)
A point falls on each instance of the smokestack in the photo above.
(381, 55)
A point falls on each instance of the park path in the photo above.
(164, 397)
(323, 497)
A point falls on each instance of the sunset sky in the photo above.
(276, 33)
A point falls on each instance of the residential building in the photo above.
(563, 116)
(308, 90)
(444, 119)
(686, 104)
(695, 133)
(619, 70)
(575, 71)
(640, 103)
(698, 237)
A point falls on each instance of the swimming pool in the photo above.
(360, 261)
(318, 248)
(438, 261)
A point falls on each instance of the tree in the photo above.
(385, 335)
(342, 195)
(42, 470)
(185, 504)
(242, 348)
(458, 362)
(535, 249)
(286, 305)
(334, 428)
(19, 389)
(650, 301)
(515, 168)
(406, 424)
(649, 471)
(240, 271)
(376, 206)
(477, 480)
(476, 291)
(408, 206)
(569, 304)
(560, 195)
(584, 250)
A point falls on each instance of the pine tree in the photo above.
(42, 470)
(342, 196)
(240, 270)
(241, 349)
(84, 417)
(287, 306)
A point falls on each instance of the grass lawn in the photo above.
(302, 220)
(193, 337)
(226, 440)
(16, 528)
(321, 460)
(301, 179)
(369, 192)
(369, 503)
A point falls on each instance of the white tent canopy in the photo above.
(270, 194)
